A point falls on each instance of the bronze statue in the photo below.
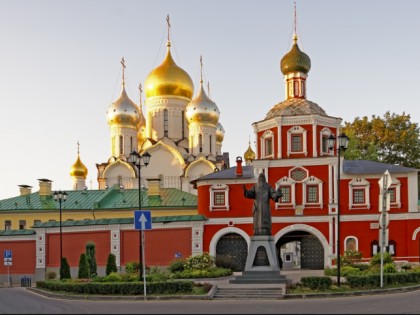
(262, 192)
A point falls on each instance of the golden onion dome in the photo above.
(295, 60)
(220, 133)
(169, 79)
(249, 155)
(202, 110)
(123, 112)
(78, 168)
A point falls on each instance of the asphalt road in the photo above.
(17, 300)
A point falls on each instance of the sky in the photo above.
(60, 69)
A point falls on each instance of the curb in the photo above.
(210, 294)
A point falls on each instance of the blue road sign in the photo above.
(7, 254)
(142, 220)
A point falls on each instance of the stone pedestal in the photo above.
(262, 263)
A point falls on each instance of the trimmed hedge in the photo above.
(118, 288)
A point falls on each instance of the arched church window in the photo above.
(165, 123)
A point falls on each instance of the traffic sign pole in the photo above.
(143, 221)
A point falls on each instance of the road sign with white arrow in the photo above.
(142, 220)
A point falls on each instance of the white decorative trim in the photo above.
(217, 236)
(311, 180)
(219, 188)
(359, 183)
(351, 237)
(325, 132)
(285, 181)
(268, 134)
(297, 130)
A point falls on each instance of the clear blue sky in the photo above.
(60, 68)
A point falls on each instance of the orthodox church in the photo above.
(183, 133)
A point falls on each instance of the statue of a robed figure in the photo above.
(262, 193)
(262, 263)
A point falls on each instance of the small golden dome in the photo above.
(123, 112)
(202, 110)
(169, 79)
(78, 169)
(295, 60)
(249, 155)
(220, 133)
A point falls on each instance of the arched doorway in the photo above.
(300, 250)
(233, 246)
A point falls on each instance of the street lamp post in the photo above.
(136, 159)
(60, 196)
(343, 141)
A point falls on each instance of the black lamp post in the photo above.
(136, 159)
(343, 141)
(60, 196)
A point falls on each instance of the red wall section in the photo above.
(74, 244)
(23, 257)
(161, 245)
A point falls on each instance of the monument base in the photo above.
(262, 263)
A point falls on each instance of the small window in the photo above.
(392, 194)
(200, 142)
(351, 244)
(219, 198)
(37, 222)
(358, 196)
(286, 191)
(374, 248)
(7, 225)
(312, 194)
(268, 146)
(325, 148)
(297, 143)
(22, 224)
(165, 123)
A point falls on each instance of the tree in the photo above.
(393, 139)
(111, 264)
(90, 254)
(83, 267)
(64, 269)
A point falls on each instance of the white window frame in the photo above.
(297, 130)
(219, 188)
(288, 182)
(396, 185)
(312, 181)
(355, 239)
(267, 135)
(326, 132)
(359, 183)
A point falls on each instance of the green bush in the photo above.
(316, 283)
(50, 275)
(177, 265)
(83, 267)
(112, 277)
(90, 254)
(64, 269)
(349, 270)
(111, 264)
(390, 268)
(376, 259)
(202, 262)
(351, 257)
(132, 267)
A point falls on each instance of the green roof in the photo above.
(16, 232)
(163, 219)
(112, 198)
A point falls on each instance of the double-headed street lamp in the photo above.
(60, 196)
(136, 159)
(343, 142)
